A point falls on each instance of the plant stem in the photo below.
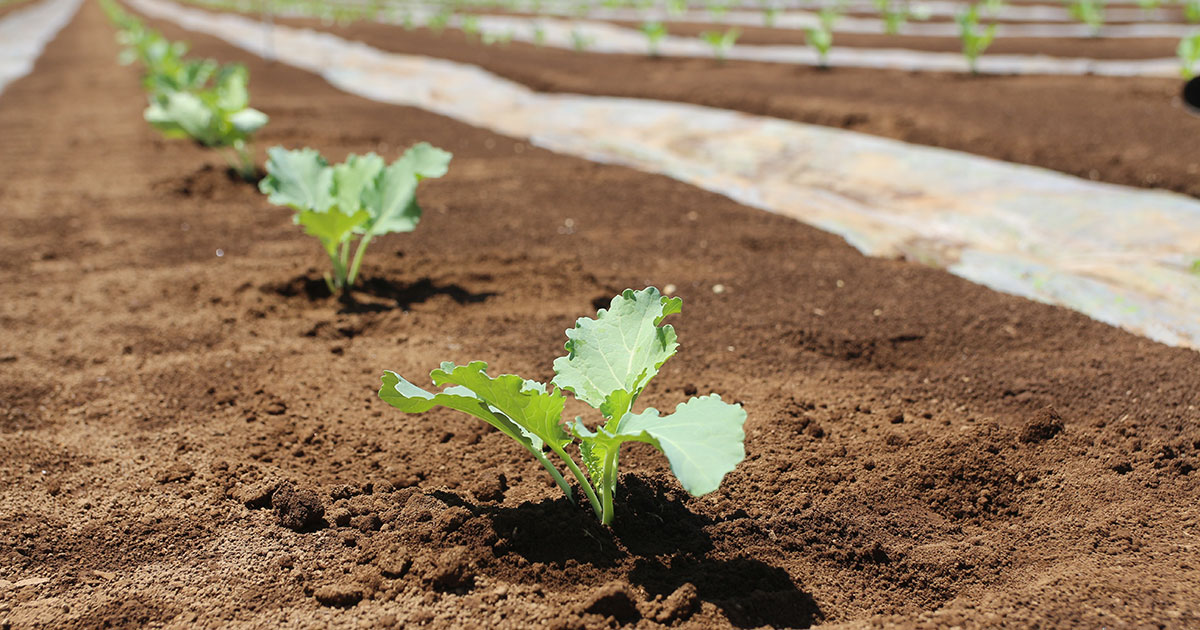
(609, 485)
(358, 256)
(583, 481)
(553, 470)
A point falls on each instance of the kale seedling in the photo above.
(654, 32)
(610, 360)
(1189, 53)
(974, 40)
(361, 196)
(216, 116)
(820, 37)
(721, 42)
(1090, 12)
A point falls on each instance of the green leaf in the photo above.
(403, 395)
(299, 179)
(230, 88)
(248, 121)
(612, 357)
(526, 403)
(332, 226)
(352, 177)
(391, 202)
(179, 113)
(425, 160)
(703, 439)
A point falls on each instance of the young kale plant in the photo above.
(721, 42)
(1191, 10)
(1091, 13)
(654, 32)
(360, 197)
(820, 36)
(581, 41)
(218, 116)
(610, 360)
(1189, 54)
(974, 40)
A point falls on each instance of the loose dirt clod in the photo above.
(679, 605)
(613, 600)
(298, 510)
(339, 595)
(1045, 425)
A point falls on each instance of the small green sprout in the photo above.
(1091, 13)
(361, 196)
(581, 41)
(654, 32)
(1189, 53)
(974, 40)
(820, 37)
(539, 35)
(1191, 10)
(721, 41)
(610, 360)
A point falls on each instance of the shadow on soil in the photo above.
(375, 294)
(661, 543)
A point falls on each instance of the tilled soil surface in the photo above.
(1132, 131)
(190, 436)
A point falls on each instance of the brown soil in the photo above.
(12, 7)
(1129, 131)
(1085, 47)
(194, 441)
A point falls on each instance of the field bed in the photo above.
(903, 466)
(1132, 139)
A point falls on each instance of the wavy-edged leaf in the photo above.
(391, 202)
(612, 357)
(300, 179)
(352, 177)
(526, 403)
(403, 395)
(425, 160)
(331, 226)
(703, 439)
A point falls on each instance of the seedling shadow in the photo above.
(376, 294)
(663, 542)
(404, 296)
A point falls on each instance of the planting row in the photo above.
(975, 29)
(609, 361)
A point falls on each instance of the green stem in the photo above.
(583, 481)
(609, 486)
(339, 270)
(550, 468)
(358, 256)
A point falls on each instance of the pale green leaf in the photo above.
(299, 179)
(526, 403)
(181, 111)
(703, 439)
(391, 202)
(248, 120)
(331, 226)
(352, 177)
(403, 395)
(425, 160)
(618, 351)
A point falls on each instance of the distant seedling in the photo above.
(609, 361)
(654, 32)
(974, 39)
(1091, 13)
(1189, 54)
(721, 42)
(360, 197)
(820, 37)
(219, 116)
